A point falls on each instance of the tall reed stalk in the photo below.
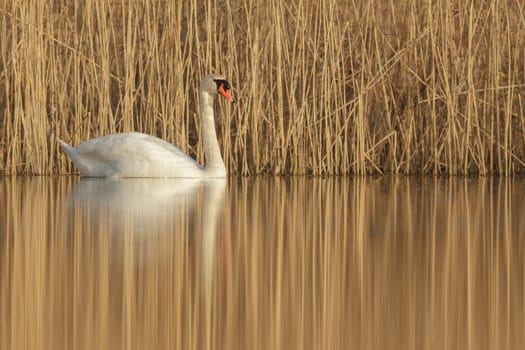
(325, 87)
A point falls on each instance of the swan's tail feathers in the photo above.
(70, 151)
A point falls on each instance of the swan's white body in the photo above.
(140, 155)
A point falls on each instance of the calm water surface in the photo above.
(264, 263)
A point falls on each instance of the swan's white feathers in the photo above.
(131, 155)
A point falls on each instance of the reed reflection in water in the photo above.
(262, 263)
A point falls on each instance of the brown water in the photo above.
(386, 263)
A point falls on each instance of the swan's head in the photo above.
(217, 84)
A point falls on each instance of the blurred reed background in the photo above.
(325, 87)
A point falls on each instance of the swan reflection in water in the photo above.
(145, 201)
(147, 207)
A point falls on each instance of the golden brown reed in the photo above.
(325, 87)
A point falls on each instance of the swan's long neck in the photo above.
(214, 162)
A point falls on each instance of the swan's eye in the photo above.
(223, 88)
(224, 83)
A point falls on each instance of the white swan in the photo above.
(139, 155)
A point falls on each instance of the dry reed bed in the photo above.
(325, 87)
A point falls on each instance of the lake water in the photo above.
(262, 263)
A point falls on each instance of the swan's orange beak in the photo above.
(226, 94)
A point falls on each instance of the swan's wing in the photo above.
(151, 140)
(137, 145)
(132, 154)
